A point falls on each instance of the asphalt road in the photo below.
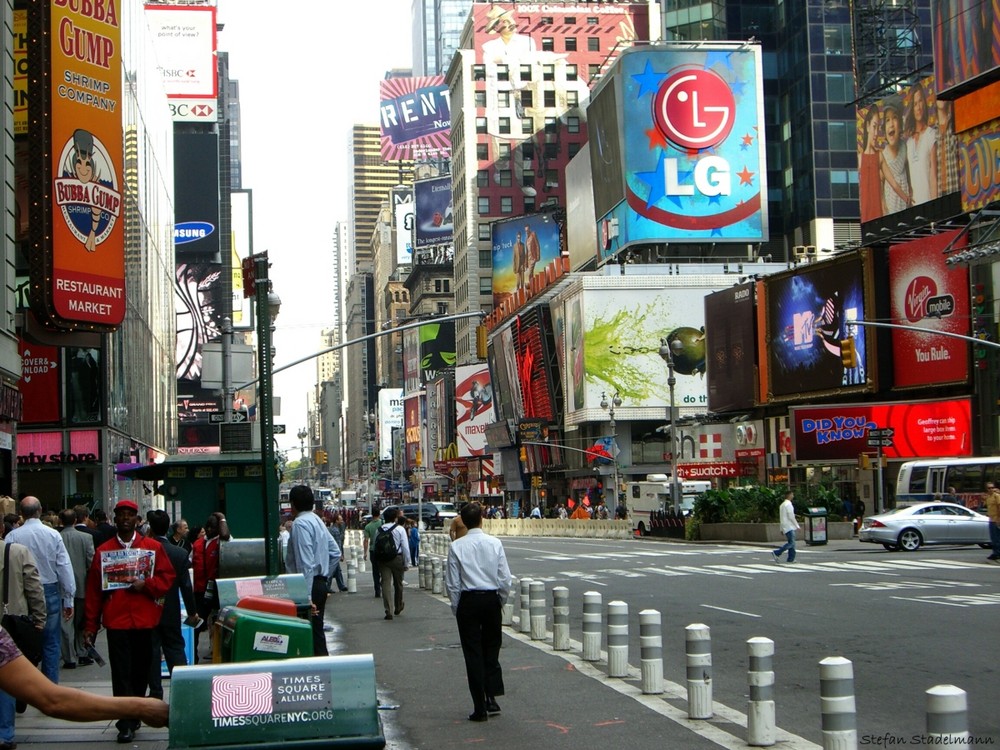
(908, 621)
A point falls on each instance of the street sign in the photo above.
(885, 432)
(879, 442)
(279, 429)
(217, 417)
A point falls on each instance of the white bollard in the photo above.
(524, 626)
(536, 604)
(617, 639)
(507, 612)
(651, 651)
(591, 626)
(437, 576)
(947, 716)
(352, 577)
(760, 708)
(698, 650)
(837, 706)
(360, 558)
(425, 574)
(560, 618)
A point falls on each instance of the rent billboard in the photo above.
(730, 347)
(522, 249)
(473, 408)
(809, 314)
(907, 151)
(434, 223)
(966, 41)
(929, 299)
(693, 146)
(414, 118)
(920, 429)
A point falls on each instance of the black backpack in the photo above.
(384, 548)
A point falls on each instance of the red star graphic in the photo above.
(656, 139)
(748, 139)
(746, 176)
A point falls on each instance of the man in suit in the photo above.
(104, 530)
(26, 597)
(167, 635)
(82, 513)
(80, 547)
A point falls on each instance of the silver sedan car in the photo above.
(910, 527)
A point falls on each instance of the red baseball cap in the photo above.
(130, 504)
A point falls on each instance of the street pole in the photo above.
(267, 304)
(610, 407)
(675, 495)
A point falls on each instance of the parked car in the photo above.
(910, 527)
(447, 511)
(431, 518)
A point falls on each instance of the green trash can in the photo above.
(815, 526)
(316, 702)
(249, 635)
(291, 586)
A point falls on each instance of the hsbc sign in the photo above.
(193, 110)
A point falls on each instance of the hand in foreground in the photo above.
(155, 713)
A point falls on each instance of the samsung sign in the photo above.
(189, 231)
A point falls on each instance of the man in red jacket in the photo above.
(205, 565)
(125, 587)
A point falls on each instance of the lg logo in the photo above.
(694, 109)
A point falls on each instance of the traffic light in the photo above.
(481, 348)
(864, 462)
(848, 354)
(319, 458)
(524, 454)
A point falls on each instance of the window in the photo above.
(573, 124)
(485, 285)
(592, 21)
(546, 20)
(570, 20)
(549, 96)
(503, 99)
(570, 43)
(527, 126)
(548, 44)
(527, 98)
(528, 151)
(571, 72)
(593, 70)
(551, 178)
(841, 136)
(526, 72)
(551, 150)
(503, 73)
(482, 151)
(572, 150)
(837, 39)
(503, 151)
(572, 98)
(442, 286)
(548, 72)
(478, 72)
(485, 258)
(504, 176)
(529, 204)
(839, 88)
(528, 178)
(483, 178)
(844, 183)
(484, 233)
(550, 124)
(593, 44)
(506, 204)
(483, 205)
(480, 99)
(503, 125)
(480, 124)
(442, 308)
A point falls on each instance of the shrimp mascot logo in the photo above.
(87, 190)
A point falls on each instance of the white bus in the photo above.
(925, 480)
(653, 496)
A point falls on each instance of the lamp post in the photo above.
(369, 453)
(267, 305)
(302, 434)
(666, 352)
(610, 408)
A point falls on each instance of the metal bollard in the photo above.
(560, 618)
(698, 648)
(591, 626)
(947, 716)
(352, 577)
(424, 573)
(536, 605)
(836, 701)
(617, 639)
(437, 576)
(524, 626)
(760, 708)
(651, 651)
(507, 612)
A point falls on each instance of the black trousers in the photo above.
(129, 654)
(376, 574)
(168, 638)
(479, 631)
(320, 591)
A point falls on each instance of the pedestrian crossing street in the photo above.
(636, 564)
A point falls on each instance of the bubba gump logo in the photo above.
(87, 189)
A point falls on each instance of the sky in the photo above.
(308, 71)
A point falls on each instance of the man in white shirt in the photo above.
(309, 553)
(395, 568)
(477, 580)
(786, 516)
(56, 572)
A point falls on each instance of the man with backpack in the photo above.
(391, 552)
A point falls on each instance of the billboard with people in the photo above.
(522, 249)
(966, 42)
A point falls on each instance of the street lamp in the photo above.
(667, 351)
(267, 305)
(302, 434)
(369, 453)
(610, 408)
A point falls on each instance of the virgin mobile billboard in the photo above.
(921, 429)
(692, 128)
(928, 296)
